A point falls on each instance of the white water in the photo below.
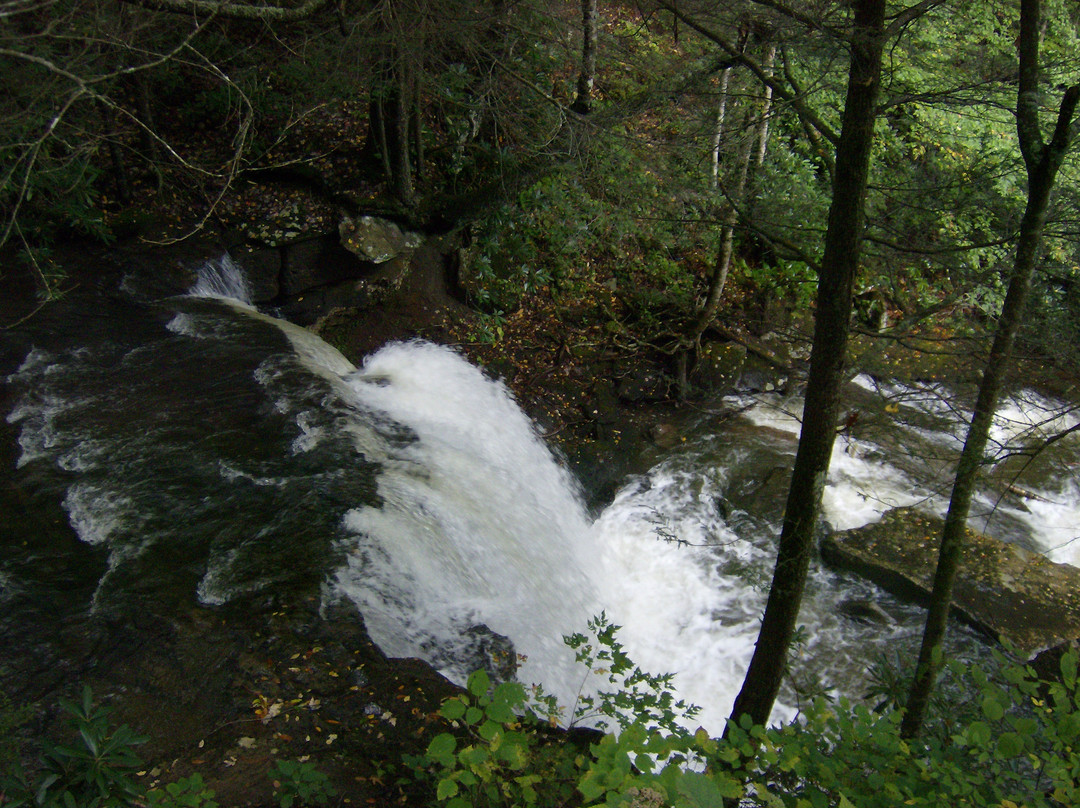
(480, 525)
(224, 280)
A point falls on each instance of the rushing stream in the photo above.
(200, 449)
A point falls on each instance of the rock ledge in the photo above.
(1018, 597)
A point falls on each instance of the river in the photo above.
(187, 448)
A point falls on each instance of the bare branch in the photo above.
(780, 89)
(235, 11)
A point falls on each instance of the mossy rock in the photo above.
(1017, 596)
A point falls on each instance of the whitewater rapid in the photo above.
(218, 451)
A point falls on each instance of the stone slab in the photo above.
(1019, 597)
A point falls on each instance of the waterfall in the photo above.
(217, 452)
(477, 524)
(223, 279)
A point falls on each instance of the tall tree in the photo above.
(587, 72)
(751, 154)
(1042, 160)
(832, 321)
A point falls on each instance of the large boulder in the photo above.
(376, 240)
(1017, 596)
(719, 366)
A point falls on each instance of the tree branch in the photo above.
(779, 88)
(235, 11)
(903, 18)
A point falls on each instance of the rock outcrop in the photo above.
(1017, 596)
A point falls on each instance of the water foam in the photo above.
(478, 524)
(224, 279)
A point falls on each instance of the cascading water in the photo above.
(200, 448)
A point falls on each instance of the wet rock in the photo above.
(643, 383)
(761, 491)
(1016, 596)
(314, 263)
(719, 366)
(490, 651)
(665, 435)
(757, 376)
(374, 239)
(262, 267)
(1047, 665)
(865, 611)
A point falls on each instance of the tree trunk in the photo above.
(587, 75)
(1042, 163)
(766, 109)
(121, 178)
(832, 323)
(752, 153)
(718, 131)
(148, 146)
(718, 278)
(389, 116)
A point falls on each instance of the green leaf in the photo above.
(590, 786)
(447, 788)
(978, 733)
(452, 709)
(474, 756)
(441, 749)
(1026, 726)
(88, 739)
(992, 709)
(500, 711)
(1010, 745)
(702, 791)
(514, 754)
(510, 693)
(1068, 669)
(478, 683)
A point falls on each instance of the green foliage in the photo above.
(502, 750)
(487, 767)
(300, 783)
(94, 771)
(187, 792)
(1005, 740)
(638, 697)
(791, 281)
(616, 206)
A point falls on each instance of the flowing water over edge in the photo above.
(213, 451)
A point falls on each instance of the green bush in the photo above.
(93, 771)
(187, 792)
(1012, 743)
(300, 783)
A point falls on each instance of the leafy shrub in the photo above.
(187, 792)
(1012, 744)
(93, 771)
(300, 783)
